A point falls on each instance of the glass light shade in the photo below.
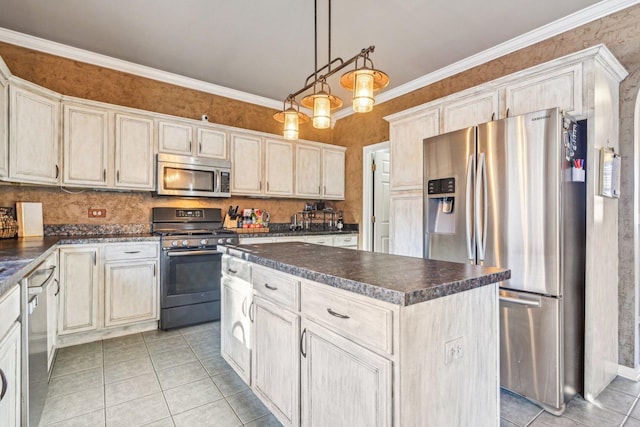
(363, 91)
(290, 124)
(321, 111)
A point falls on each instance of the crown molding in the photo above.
(591, 13)
(569, 22)
(65, 51)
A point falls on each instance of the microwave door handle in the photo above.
(218, 180)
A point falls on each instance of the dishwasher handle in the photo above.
(34, 289)
(522, 301)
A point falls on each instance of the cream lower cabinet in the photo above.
(342, 383)
(275, 359)
(79, 290)
(235, 325)
(53, 294)
(107, 290)
(10, 359)
(131, 292)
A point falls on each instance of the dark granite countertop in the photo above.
(297, 233)
(19, 256)
(392, 278)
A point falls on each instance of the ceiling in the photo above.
(266, 48)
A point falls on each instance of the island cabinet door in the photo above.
(343, 384)
(276, 360)
(235, 334)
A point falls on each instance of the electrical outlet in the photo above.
(97, 213)
(453, 350)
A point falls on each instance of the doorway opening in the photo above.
(375, 197)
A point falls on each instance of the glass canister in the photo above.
(8, 224)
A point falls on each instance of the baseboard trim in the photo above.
(629, 373)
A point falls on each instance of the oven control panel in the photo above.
(189, 213)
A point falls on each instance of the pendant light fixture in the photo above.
(363, 81)
(322, 102)
(291, 117)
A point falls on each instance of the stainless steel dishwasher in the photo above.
(35, 378)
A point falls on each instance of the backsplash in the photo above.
(95, 230)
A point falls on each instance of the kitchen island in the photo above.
(354, 338)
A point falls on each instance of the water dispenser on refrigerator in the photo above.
(441, 209)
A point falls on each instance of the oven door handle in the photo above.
(188, 253)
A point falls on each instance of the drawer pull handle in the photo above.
(251, 311)
(132, 252)
(302, 342)
(268, 286)
(57, 291)
(244, 303)
(4, 384)
(338, 315)
(232, 271)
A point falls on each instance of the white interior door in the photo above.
(381, 187)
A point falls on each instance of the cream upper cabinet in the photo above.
(4, 126)
(33, 137)
(175, 138)
(79, 290)
(469, 111)
(406, 150)
(343, 384)
(246, 164)
(405, 224)
(559, 88)
(134, 152)
(278, 166)
(212, 143)
(187, 139)
(85, 145)
(333, 170)
(308, 172)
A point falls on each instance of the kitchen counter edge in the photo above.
(488, 276)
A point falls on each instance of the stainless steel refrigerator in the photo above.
(511, 193)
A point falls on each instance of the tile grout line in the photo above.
(628, 415)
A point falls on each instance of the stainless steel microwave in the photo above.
(192, 176)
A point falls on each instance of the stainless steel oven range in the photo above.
(190, 265)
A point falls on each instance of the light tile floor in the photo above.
(616, 406)
(175, 378)
(178, 378)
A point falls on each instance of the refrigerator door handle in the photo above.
(522, 301)
(480, 197)
(468, 218)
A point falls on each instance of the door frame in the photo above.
(367, 190)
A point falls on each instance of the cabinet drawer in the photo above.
(9, 309)
(235, 267)
(348, 240)
(124, 252)
(368, 324)
(279, 287)
(320, 240)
